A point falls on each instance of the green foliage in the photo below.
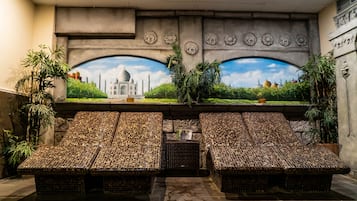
(288, 92)
(167, 90)
(78, 89)
(15, 149)
(196, 84)
(40, 69)
(319, 72)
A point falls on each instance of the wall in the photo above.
(327, 26)
(202, 36)
(344, 41)
(16, 22)
(23, 26)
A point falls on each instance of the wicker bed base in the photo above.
(246, 183)
(128, 184)
(60, 184)
(308, 183)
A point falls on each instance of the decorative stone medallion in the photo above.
(284, 40)
(191, 48)
(250, 39)
(267, 39)
(301, 40)
(150, 37)
(230, 39)
(170, 38)
(211, 39)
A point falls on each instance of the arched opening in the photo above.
(116, 77)
(252, 78)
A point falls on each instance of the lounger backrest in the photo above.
(269, 128)
(91, 128)
(224, 129)
(139, 128)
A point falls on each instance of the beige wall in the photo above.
(23, 26)
(327, 26)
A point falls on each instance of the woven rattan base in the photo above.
(128, 184)
(308, 183)
(246, 183)
(60, 184)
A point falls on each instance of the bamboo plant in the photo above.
(319, 72)
(41, 67)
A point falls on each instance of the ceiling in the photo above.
(303, 6)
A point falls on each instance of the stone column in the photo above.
(190, 30)
(345, 53)
(60, 90)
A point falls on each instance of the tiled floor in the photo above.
(186, 189)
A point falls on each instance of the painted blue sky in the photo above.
(139, 68)
(247, 72)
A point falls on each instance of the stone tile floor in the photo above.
(185, 189)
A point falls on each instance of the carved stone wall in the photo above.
(203, 36)
(344, 41)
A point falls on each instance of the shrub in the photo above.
(166, 90)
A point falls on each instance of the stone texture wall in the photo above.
(9, 120)
(202, 35)
(344, 41)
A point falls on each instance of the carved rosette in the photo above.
(150, 37)
(284, 40)
(267, 39)
(301, 40)
(250, 39)
(211, 39)
(230, 39)
(170, 38)
(345, 40)
(191, 48)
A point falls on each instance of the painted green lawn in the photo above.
(168, 100)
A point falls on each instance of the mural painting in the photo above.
(243, 80)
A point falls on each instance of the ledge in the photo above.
(180, 111)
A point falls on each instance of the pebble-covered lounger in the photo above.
(273, 149)
(134, 156)
(63, 168)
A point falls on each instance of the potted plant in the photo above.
(40, 69)
(261, 98)
(319, 72)
(195, 85)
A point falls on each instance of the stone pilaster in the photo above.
(190, 28)
(345, 52)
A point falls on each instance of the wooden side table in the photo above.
(183, 155)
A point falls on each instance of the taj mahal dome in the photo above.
(123, 87)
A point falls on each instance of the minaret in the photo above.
(148, 82)
(100, 80)
(142, 87)
(105, 86)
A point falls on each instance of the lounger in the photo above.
(63, 168)
(306, 168)
(133, 159)
(235, 162)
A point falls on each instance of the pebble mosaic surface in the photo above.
(136, 145)
(269, 127)
(66, 160)
(224, 129)
(302, 159)
(246, 159)
(91, 129)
